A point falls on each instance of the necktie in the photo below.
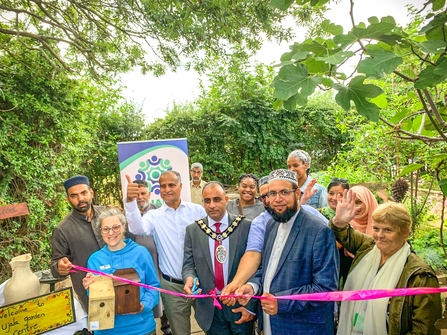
(218, 267)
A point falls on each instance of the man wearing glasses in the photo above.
(77, 236)
(253, 253)
(299, 256)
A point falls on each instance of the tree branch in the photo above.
(413, 136)
(351, 14)
(404, 76)
(427, 111)
(434, 109)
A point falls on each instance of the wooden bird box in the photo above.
(127, 296)
(101, 311)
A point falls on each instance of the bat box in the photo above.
(127, 296)
(101, 311)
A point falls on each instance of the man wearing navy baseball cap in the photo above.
(77, 236)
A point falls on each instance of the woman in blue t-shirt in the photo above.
(120, 253)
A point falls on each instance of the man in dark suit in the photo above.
(299, 256)
(213, 249)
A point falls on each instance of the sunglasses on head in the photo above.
(341, 180)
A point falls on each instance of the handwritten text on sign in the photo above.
(38, 315)
(10, 211)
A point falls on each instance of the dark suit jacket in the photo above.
(308, 264)
(197, 263)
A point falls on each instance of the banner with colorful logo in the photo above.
(146, 160)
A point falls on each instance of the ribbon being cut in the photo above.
(323, 296)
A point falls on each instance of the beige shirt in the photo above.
(196, 192)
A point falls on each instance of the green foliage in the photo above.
(426, 245)
(232, 128)
(51, 130)
(105, 37)
(415, 55)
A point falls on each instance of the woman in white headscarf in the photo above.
(384, 261)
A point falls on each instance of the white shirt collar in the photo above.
(224, 221)
(165, 207)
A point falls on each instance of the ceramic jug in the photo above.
(23, 284)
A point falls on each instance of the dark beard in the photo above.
(268, 209)
(82, 210)
(287, 215)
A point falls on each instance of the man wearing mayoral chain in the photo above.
(299, 256)
(214, 246)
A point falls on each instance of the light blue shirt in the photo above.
(319, 199)
(168, 228)
(257, 228)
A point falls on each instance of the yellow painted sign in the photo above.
(38, 315)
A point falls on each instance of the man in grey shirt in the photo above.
(77, 236)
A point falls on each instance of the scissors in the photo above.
(195, 288)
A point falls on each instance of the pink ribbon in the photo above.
(323, 296)
(211, 295)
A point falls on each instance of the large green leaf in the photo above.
(443, 186)
(331, 28)
(432, 46)
(345, 40)
(400, 115)
(380, 101)
(410, 168)
(295, 53)
(358, 92)
(381, 62)
(294, 79)
(427, 78)
(281, 4)
(316, 67)
(318, 49)
(441, 66)
(297, 99)
(434, 30)
(375, 30)
(337, 58)
(437, 4)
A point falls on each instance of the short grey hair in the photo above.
(301, 154)
(108, 212)
(197, 165)
(179, 177)
(213, 183)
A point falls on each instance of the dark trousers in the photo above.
(223, 323)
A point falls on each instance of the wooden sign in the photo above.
(13, 210)
(38, 315)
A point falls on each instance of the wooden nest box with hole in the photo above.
(101, 310)
(127, 296)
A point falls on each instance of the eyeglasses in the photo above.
(106, 230)
(282, 193)
(264, 196)
(341, 180)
